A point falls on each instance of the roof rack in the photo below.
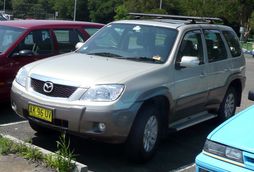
(193, 19)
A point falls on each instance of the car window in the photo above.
(91, 30)
(132, 42)
(8, 35)
(39, 42)
(215, 47)
(233, 43)
(67, 39)
(191, 45)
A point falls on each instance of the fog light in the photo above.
(102, 127)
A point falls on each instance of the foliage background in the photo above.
(236, 13)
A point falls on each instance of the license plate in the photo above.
(40, 112)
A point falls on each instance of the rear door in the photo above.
(218, 65)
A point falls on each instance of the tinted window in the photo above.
(39, 42)
(233, 43)
(91, 31)
(191, 45)
(8, 35)
(67, 39)
(132, 42)
(215, 47)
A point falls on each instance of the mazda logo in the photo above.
(48, 87)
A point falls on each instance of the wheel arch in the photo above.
(237, 85)
(162, 100)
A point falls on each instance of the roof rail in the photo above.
(193, 19)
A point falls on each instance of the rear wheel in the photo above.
(228, 105)
(144, 136)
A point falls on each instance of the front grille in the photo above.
(62, 91)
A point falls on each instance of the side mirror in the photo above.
(24, 53)
(78, 45)
(189, 61)
(251, 95)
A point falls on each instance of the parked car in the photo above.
(24, 41)
(230, 147)
(135, 79)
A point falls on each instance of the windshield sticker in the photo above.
(157, 58)
(137, 28)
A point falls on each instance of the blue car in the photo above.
(230, 147)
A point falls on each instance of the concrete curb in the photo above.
(78, 166)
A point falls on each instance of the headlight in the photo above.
(223, 151)
(21, 76)
(103, 93)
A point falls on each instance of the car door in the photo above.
(218, 65)
(36, 45)
(190, 82)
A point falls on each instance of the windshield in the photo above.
(8, 35)
(132, 42)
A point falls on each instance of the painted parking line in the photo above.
(13, 123)
(190, 168)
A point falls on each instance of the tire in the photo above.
(144, 136)
(228, 105)
(39, 129)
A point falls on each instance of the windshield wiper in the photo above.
(105, 54)
(147, 59)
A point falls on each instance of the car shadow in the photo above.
(7, 114)
(178, 150)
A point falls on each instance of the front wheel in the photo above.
(144, 135)
(228, 105)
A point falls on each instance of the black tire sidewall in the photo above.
(222, 115)
(134, 147)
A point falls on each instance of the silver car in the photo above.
(134, 80)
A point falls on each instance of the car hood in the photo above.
(87, 70)
(237, 131)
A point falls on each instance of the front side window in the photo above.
(233, 43)
(191, 45)
(8, 35)
(132, 42)
(38, 41)
(67, 39)
(215, 47)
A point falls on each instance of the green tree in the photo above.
(63, 7)
(146, 6)
(37, 9)
(103, 11)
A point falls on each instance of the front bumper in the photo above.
(205, 163)
(79, 119)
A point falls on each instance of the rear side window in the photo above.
(91, 30)
(67, 39)
(215, 47)
(233, 43)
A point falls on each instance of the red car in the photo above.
(24, 41)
